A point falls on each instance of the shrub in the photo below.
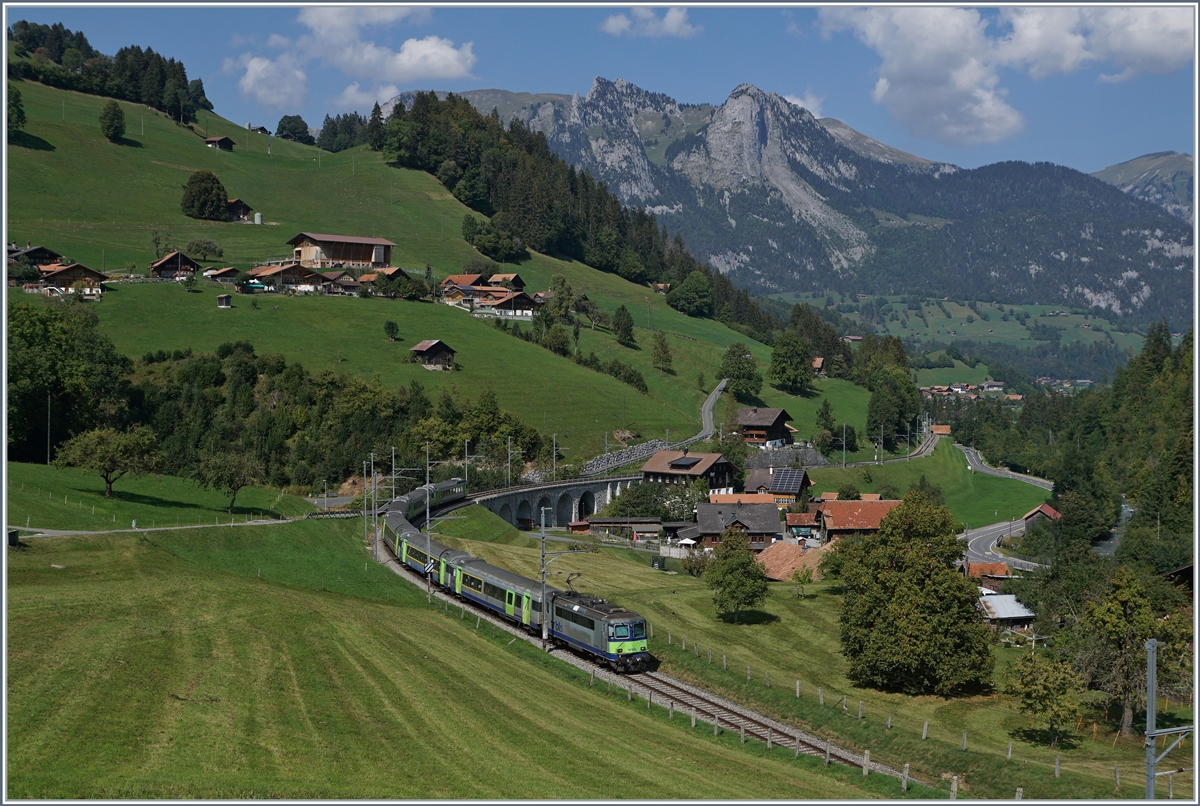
(112, 121)
(204, 197)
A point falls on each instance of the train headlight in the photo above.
(619, 651)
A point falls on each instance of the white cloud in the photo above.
(940, 66)
(936, 77)
(810, 101)
(356, 99)
(275, 83)
(646, 24)
(336, 39)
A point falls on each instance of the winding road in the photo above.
(981, 542)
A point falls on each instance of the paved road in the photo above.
(975, 462)
(706, 412)
(334, 501)
(223, 524)
(981, 542)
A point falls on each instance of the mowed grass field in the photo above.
(45, 497)
(976, 499)
(793, 639)
(162, 666)
(119, 193)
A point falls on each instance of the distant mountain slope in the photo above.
(1164, 178)
(782, 201)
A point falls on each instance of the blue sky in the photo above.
(1083, 87)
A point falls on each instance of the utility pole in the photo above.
(508, 469)
(428, 537)
(393, 473)
(1152, 734)
(843, 446)
(554, 460)
(605, 454)
(364, 503)
(668, 439)
(465, 441)
(374, 497)
(48, 419)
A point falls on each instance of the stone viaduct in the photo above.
(566, 500)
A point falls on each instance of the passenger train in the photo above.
(592, 626)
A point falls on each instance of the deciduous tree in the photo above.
(693, 296)
(16, 110)
(661, 351)
(111, 453)
(1047, 688)
(791, 363)
(737, 580)
(112, 121)
(229, 472)
(909, 621)
(739, 366)
(391, 330)
(204, 197)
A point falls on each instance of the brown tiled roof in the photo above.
(940, 430)
(761, 417)
(501, 278)
(977, 570)
(871, 496)
(802, 518)
(461, 279)
(369, 277)
(661, 463)
(829, 496)
(855, 515)
(1046, 510)
(326, 237)
(818, 362)
(782, 559)
(758, 477)
(173, 256)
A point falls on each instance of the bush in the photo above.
(204, 197)
(112, 121)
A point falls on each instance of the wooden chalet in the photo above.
(286, 136)
(34, 255)
(681, 467)
(1037, 513)
(764, 428)
(759, 521)
(259, 129)
(818, 366)
(319, 250)
(340, 282)
(784, 484)
(514, 303)
(221, 143)
(434, 354)
(228, 274)
(289, 277)
(62, 279)
(238, 210)
(512, 281)
(661, 288)
(174, 266)
(839, 518)
(460, 280)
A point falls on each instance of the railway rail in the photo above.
(658, 688)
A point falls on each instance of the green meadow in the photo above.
(974, 498)
(164, 666)
(794, 639)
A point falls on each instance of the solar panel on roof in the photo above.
(685, 462)
(787, 480)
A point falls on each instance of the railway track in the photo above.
(665, 691)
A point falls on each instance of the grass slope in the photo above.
(974, 498)
(166, 669)
(49, 498)
(118, 193)
(793, 639)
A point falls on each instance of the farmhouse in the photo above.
(434, 354)
(512, 281)
(238, 210)
(839, 518)
(681, 467)
(1003, 610)
(319, 250)
(220, 143)
(764, 428)
(633, 528)
(784, 484)
(662, 288)
(290, 277)
(175, 265)
(34, 255)
(818, 366)
(63, 279)
(990, 575)
(460, 280)
(226, 275)
(759, 521)
(804, 525)
(514, 303)
(340, 282)
(740, 498)
(258, 129)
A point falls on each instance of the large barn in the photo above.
(319, 250)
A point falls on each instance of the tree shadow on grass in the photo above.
(26, 140)
(125, 141)
(1065, 739)
(141, 499)
(750, 617)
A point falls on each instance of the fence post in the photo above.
(925, 730)
(866, 762)
(826, 752)
(860, 709)
(1019, 793)
(693, 716)
(797, 753)
(768, 738)
(904, 779)
(964, 744)
(716, 724)
(724, 668)
(710, 656)
(768, 679)
(683, 643)
(668, 637)
(747, 674)
(696, 647)
(671, 709)
(629, 693)
(477, 627)
(889, 722)
(797, 689)
(592, 682)
(651, 628)
(954, 788)
(743, 732)
(1117, 776)
(820, 696)
(1009, 757)
(1057, 768)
